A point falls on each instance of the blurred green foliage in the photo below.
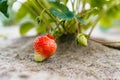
(4, 7)
(6, 12)
(25, 27)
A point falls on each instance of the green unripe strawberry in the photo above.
(82, 39)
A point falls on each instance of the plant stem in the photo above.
(29, 8)
(79, 28)
(93, 26)
(64, 25)
(35, 6)
(83, 7)
(47, 12)
(72, 5)
(97, 20)
(103, 42)
(77, 6)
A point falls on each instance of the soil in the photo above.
(71, 62)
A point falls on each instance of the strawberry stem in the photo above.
(103, 42)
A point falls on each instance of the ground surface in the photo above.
(71, 62)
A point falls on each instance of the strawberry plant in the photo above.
(64, 17)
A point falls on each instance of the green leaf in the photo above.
(67, 15)
(59, 6)
(25, 27)
(61, 11)
(41, 29)
(57, 13)
(80, 20)
(4, 7)
(22, 12)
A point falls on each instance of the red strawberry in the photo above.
(44, 47)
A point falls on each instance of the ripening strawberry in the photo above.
(44, 47)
